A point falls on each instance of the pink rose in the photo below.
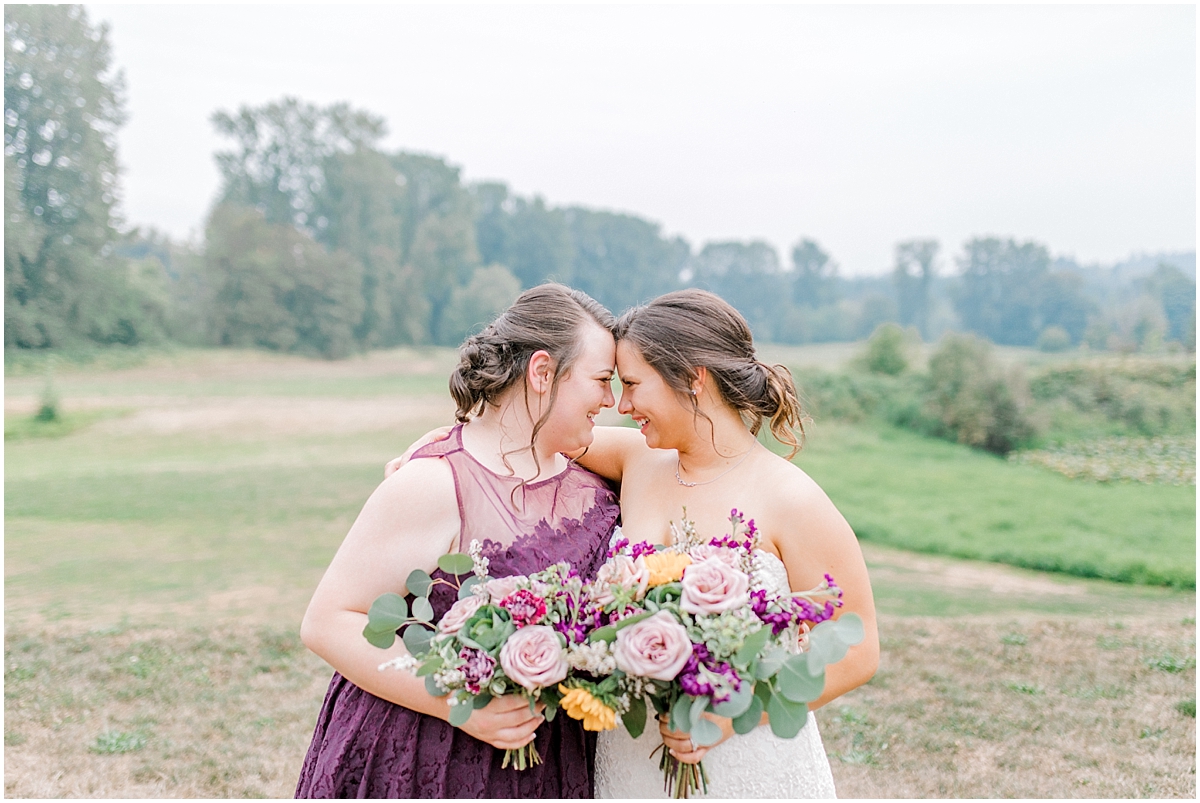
(459, 613)
(713, 586)
(534, 657)
(703, 552)
(501, 587)
(620, 570)
(657, 647)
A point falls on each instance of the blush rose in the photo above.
(534, 658)
(713, 586)
(656, 647)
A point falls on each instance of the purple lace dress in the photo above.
(364, 746)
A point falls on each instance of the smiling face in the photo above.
(660, 412)
(584, 390)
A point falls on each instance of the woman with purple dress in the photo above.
(527, 389)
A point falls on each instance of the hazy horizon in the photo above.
(857, 127)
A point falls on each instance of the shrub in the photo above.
(886, 349)
(1054, 338)
(973, 400)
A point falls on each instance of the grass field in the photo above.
(157, 562)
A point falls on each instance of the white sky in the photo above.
(855, 126)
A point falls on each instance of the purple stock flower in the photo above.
(778, 620)
(642, 548)
(703, 677)
(478, 669)
(620, 544)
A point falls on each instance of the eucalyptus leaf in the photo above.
(456, 563)
(432, 687)
(468, 585)
(481, 700)
(706, 733)
(796, 682)
(679, 719)
(379, 638)
(417, 638)
(608, 633)
(737, 703)
(551, 710)
(787, 718)
(752, 646)
(829, 641)
(429, 666)
(422, 611)
(459, 714)
(769, 663)
(697, 710)
(388, 612)
(635, 717)
(418, 582)
(749, 718)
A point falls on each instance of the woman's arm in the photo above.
(821, 542)
(393, 535)
(611, 450)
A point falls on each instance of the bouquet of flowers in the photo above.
(508, 635)
(701, 626)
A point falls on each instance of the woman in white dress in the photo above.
(692, 383)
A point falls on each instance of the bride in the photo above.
(691, 382)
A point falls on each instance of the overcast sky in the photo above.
(854, 126)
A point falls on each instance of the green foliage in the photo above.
(906, 491)
(276, 288)
(473, 306)
(63, 284)
(974, 400)
(116, 742)
(1008, 292)
(1053, 339)
(885, 353)
(913, 280)
(1129, 397)
(1187, 707)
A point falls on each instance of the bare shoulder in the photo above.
(803, 505)
(420, 494)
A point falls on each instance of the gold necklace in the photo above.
(684, 483)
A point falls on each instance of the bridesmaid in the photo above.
(527, 389)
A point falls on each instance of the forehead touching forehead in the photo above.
(630, 362)
(597, 350)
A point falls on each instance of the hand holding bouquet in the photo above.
(502, 636)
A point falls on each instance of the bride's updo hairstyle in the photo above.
(680, 332)
(550, 318)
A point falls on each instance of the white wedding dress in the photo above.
(756, 765)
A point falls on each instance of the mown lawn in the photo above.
(902, 490)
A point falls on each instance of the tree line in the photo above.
(322, 241)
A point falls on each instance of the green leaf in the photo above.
(752, 646)
(456, 563)
(787, 718)
(429, 666)
(706, 733)
(769, 664)
(635, 717)
(432, 687)
(697, 710)
(608, 633)
(418, 583)
(417, 638)
(750, 718)
(679, 719)
(422, 611)
(796, 681)
(737, 703)
(459, 714)
(388, 612)
(829, 641)
(468, 585)
(481, 700)
(551, 709)
(379, 638)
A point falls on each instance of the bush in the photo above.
(886, 351)
(1054, 338)
(973, 400)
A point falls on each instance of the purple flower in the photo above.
(642, 548)
(525, 607)
(701, 676)
(778, 620)
(477, 670)
(620, 544)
